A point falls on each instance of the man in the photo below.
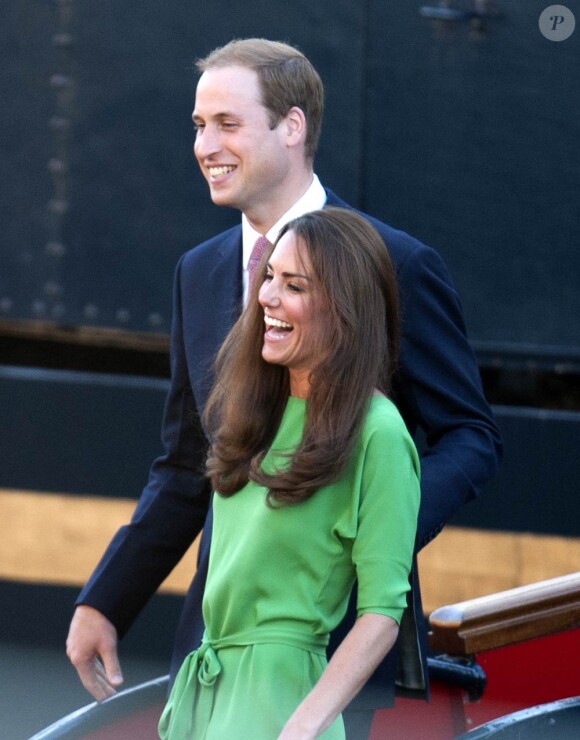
(258, 112)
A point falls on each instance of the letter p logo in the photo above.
(557, 23)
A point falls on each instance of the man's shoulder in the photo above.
(401, 245)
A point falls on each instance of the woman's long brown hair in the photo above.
(356, 283)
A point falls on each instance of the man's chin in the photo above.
(220, 198)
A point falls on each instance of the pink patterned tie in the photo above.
(257, 253)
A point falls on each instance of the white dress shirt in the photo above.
(312, 200)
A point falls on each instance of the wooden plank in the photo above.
(463, 563)
(58, 539)
(88, 336)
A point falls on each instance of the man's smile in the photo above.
(216, 172)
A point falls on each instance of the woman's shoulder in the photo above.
(383, 418)
(381, 409)
(385, 435)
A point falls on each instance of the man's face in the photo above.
(245, 162)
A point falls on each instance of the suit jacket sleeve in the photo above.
(171, 510)
(438, 390)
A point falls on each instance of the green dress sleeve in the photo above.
(388, 505)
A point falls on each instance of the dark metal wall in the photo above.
(462, 133)
(480, 157)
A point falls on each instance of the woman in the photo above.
(317, 484)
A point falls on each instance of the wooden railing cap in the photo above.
(502, 618)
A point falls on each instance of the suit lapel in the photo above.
(225, 285)
(214, 305)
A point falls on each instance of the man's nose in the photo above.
(206, 143)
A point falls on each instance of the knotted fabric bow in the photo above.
(201, 665)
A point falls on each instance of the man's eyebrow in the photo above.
(220, 116)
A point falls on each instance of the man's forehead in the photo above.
(227, 90)
(229, 76)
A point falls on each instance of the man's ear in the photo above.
(295, 123)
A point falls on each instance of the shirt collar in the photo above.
(312, 200)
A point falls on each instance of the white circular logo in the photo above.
(557, 23)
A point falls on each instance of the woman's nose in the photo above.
(268, 295)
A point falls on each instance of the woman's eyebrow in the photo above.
(291, 274)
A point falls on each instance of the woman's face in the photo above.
(293, 313)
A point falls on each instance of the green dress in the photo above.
(279, 581)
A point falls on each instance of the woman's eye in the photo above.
(294, 288)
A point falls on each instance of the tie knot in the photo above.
(258, 250)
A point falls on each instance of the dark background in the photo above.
(463, 134)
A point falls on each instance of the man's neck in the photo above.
(312, 199)
(262, 219)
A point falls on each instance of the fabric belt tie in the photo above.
(201, 665)
(208, 665)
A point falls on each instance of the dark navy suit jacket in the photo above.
(437, 389)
